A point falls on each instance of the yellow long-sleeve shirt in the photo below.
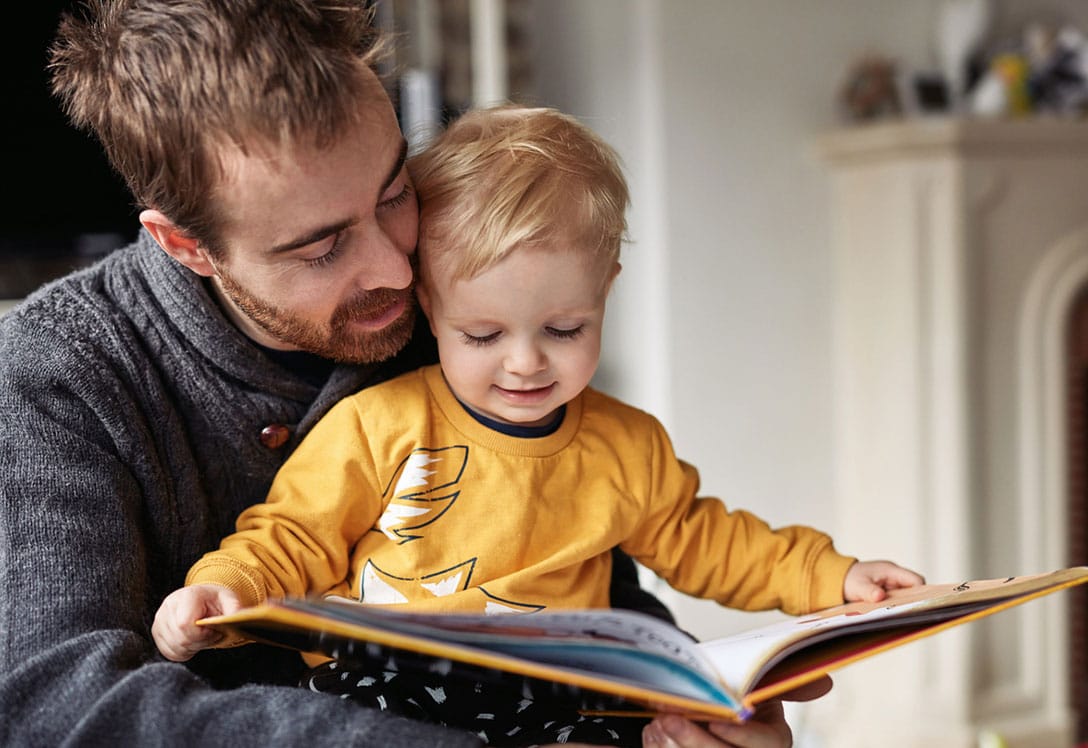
(400, 496)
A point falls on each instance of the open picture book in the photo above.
(643, 663)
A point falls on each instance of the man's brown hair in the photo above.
(164, 86)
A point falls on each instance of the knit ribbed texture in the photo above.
(130, 414)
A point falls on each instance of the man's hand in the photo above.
(175, 631)
(767, 729)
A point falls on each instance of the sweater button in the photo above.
(274, 435)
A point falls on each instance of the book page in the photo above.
(624, 628)
(637, 656)
(742, 659)
(617, 652)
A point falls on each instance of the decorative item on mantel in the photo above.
(1043, 71)
(871, 90)
(1039, 70)
(961, 29)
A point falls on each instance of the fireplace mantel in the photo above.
(958, 247)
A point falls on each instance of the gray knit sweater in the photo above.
(130, 414)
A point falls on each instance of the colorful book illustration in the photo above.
(638, 661)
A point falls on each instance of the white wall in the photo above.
(722, 325)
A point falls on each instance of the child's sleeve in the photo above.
(300, 539)
(702, 548)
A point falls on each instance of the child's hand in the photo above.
(175, 631)
(869, 581)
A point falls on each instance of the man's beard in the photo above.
(336, 341)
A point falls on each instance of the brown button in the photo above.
(275, 435)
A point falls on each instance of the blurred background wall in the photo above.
(721, 322)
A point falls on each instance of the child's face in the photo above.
(523, 337)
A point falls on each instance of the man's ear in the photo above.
(177, 243)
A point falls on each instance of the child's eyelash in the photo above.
(555, 332)
(480, 340)
(573, 332)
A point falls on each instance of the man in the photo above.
(146, 401)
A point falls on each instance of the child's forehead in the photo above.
(547, 282)
(532, 300)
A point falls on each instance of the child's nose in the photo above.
(525, 359)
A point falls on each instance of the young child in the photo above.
(516, 479)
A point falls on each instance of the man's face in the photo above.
(318, 243)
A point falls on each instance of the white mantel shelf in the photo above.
(958, 247)
(943, 136)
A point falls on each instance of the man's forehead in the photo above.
(275, 194)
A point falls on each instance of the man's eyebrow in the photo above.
(320, 233)
(314, 236)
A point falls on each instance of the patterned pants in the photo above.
(501, 708)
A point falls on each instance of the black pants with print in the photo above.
(502, 708)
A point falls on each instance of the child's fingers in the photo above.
(870, 581)
(174, 629)
(180, 640)
(892, 576)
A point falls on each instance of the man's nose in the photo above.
(383, 262)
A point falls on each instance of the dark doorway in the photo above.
(64, 205)
(1077, 424)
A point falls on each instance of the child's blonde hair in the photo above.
(510, 176)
